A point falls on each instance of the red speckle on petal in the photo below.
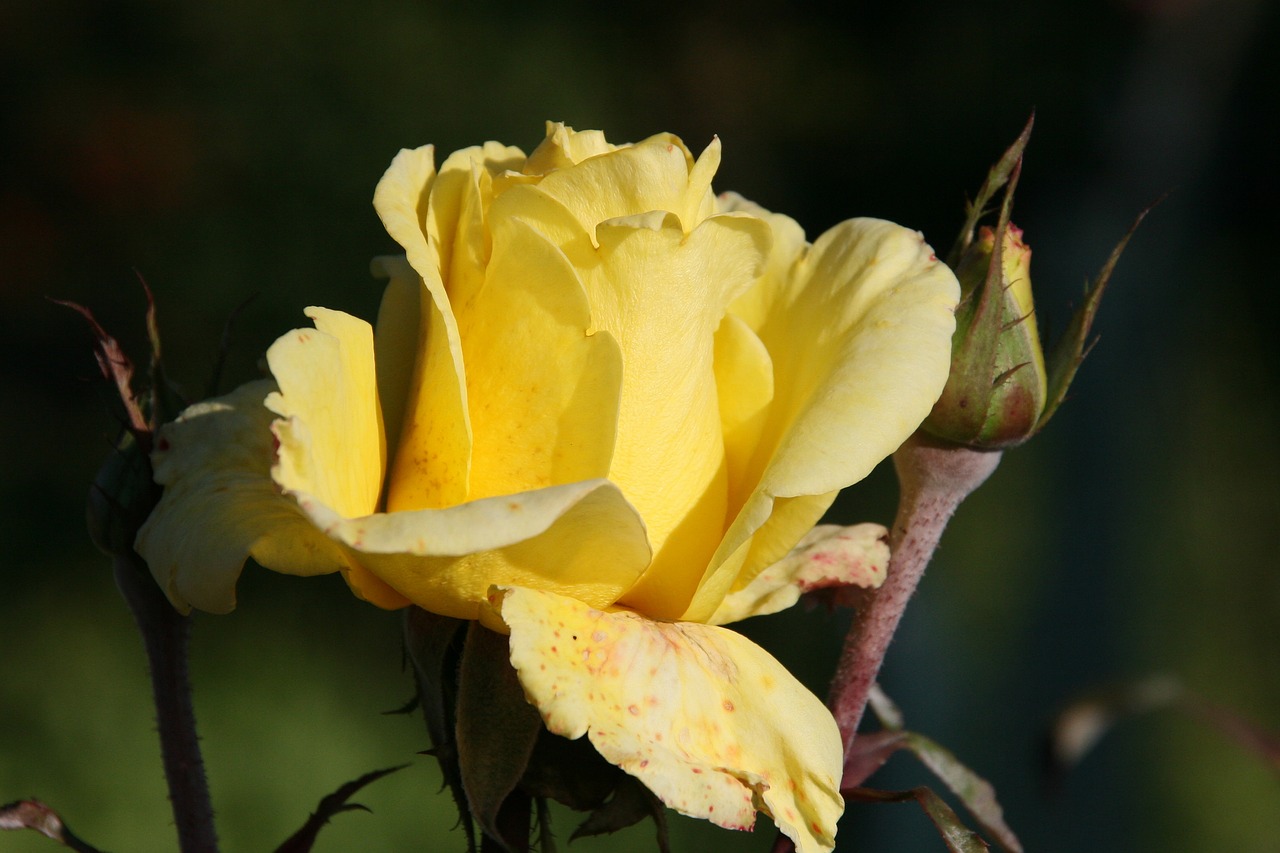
(727, 705)
(634, 710)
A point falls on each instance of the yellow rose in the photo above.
(602, 410)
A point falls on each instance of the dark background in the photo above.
(229, 149)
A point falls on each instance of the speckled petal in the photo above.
(709, 721)
(829, 556)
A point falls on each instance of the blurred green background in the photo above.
(229, 149)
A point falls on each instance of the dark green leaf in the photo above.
(496, 730)
(434, 645)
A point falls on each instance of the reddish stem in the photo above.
(933, 478)
(165, 636)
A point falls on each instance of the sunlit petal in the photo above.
(709, 721)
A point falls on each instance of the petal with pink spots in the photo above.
(828, 556)
(705, 718)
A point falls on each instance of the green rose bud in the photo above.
(998, 387)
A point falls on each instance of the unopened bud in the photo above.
(997, 388)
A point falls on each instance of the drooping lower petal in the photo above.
(829, 556)
(220, 505)
(709, 721)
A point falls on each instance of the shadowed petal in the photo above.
(220, 505)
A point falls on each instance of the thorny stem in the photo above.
(933, 478)
(165, 636)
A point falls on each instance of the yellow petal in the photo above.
(662, 294)
(705, 718)
(544, 394)
(874, 310)
(432, 460)
(565, 147)
(630, 180)
(220, 505)
(456, 216)
(744, 387)
(581, 539)
(331, 441)
(828, 556)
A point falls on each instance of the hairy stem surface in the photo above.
(165, 636)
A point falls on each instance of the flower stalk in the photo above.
(934, 477)
(165, 635)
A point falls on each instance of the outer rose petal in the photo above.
(431, 464)
(582, 539)
(874, 310)
(706, 719)
(220, 505)
(331, 441)
(829, 555)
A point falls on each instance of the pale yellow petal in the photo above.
(875, 310)
(565, 147)
(581, 539)
(662, 294)
(829, 556)
(456, 223)
(330, 435)
(744, 387)
(220, 505)
(544, 394)
(859, 332)
(706, 719)
(431, 462)
(630, 180)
